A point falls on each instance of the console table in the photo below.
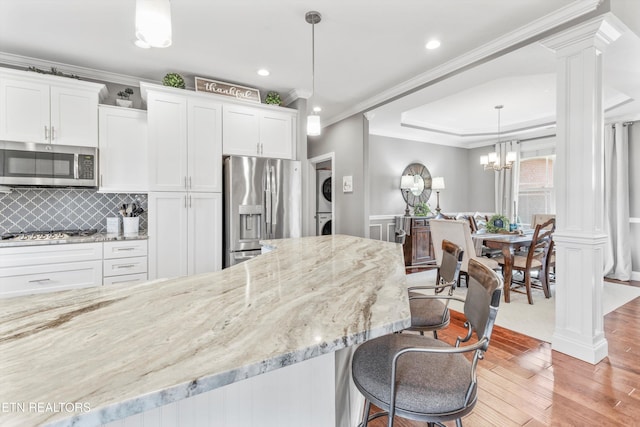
(418, 246)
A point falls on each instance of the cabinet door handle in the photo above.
(101, 184)
(189, 200)
(190, 184)
(258, 148)
(185, 183)
(46, 133)
(185, 201)
(40, 281)
(53, 133)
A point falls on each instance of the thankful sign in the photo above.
(227, 89)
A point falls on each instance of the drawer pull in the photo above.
(125, 249)
(39, 280)
(125, 266)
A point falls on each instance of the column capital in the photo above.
(599, 32)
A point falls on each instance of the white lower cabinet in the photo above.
(184, 233)
(124, 261)
(46, 268)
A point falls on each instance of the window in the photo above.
(535, 189)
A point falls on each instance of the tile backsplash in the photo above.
(31, 209)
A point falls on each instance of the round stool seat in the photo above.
(430, 386)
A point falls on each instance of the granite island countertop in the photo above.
(119, 350)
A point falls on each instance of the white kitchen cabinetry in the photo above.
(124, 261)
(185, 141)
(263, 132)
(48, 109)
(185, 233)
(46, 268)
(123, 150)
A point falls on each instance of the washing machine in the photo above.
(324, 224)
(323, 193)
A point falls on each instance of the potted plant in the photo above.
(421, 209)
(173, 80)
(123, 98)
(273, 98)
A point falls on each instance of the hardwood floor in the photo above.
(525, 383)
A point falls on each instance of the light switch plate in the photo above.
(347, 184)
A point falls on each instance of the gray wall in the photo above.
(468, 187)
(482, 188)
(348, 140)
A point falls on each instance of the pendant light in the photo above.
(313, 120)
(153, 23)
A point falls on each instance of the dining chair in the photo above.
(550, 266)
(540, 219)
(430, 312)
(458, 232)
(425, 379)
(534, 261)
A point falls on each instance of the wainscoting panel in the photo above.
(382, 227)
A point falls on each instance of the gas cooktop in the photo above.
(48, 235)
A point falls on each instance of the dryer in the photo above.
(323, 191)
(323, 224)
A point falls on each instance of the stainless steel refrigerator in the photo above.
(262, 200)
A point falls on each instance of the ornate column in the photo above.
(580, 235)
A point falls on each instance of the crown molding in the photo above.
(531, 30)
(85, 73)
(295, 94)
(601, 31)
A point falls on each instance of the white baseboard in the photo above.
(635, 275)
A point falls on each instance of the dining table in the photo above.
(507, 243)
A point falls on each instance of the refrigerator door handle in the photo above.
(267, 201)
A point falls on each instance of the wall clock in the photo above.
(421, 191)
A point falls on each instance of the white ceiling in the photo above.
(366, 51)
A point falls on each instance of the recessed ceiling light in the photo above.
(433, 44)
(263, 72)
(317, 109)
(142, 44)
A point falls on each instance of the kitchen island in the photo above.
(91, 356)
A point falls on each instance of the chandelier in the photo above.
(493, 161)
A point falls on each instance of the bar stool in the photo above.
(422, 378)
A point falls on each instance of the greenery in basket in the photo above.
(273, 98)
(173, 80)
(493, 228)
(421, 209)
(125, 94)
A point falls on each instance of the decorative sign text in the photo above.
(227, 89)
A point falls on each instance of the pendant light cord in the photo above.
(313, 58)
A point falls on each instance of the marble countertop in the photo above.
(97, 237)
(119, 350)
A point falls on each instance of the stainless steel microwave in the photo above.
(50, 165)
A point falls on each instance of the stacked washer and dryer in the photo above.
(323, 202)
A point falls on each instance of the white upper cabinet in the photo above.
(204, 149)
(167, 118)
(48, 109)
(123, 150)
(185, 141)
(263, 132)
